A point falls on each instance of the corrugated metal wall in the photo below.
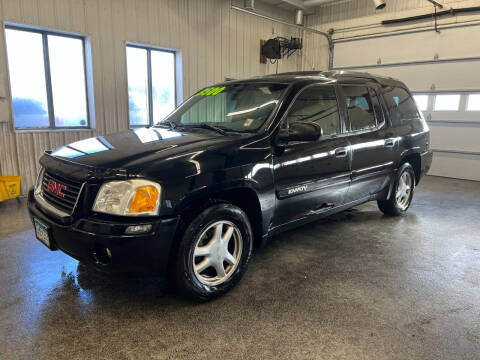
(216, 42)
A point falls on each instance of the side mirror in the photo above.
(301, 131)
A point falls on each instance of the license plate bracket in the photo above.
(43, 233)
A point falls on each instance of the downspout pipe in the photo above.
(328, 36)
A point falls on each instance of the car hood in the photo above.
(140, 149)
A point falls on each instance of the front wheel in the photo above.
(214, 252)
(401, 198)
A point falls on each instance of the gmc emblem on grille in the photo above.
(56, 188)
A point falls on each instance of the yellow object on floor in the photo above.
(9, 187)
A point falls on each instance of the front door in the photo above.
(312, 177)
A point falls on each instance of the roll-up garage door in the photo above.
(443, 71)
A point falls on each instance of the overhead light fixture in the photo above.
(380, 4)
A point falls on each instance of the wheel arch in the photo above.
(240, 194)
(415, 160)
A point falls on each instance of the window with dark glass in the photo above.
(317, 104)
(151, 84)
(47, 79)
(401, 105)
(360, 109)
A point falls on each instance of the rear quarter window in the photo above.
(401, 106)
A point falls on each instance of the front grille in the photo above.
(70, 193)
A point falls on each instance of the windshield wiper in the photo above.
(171, 124)
(209, 127)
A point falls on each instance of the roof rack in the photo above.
(359, 75)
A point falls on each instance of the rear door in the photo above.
(372, 142)
(312, 177)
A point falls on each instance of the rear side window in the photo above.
(359, 108)
(317, 104)
(401, 106)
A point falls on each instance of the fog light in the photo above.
(138, 229)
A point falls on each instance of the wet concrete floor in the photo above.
(355, 286)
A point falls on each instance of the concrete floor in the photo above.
(355, 286)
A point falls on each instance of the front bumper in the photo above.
(105, 244)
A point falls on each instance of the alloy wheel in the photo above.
(217, 253)
(404, 189)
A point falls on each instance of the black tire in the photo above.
(391, 207)
(184, 274)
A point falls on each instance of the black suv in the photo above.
(236, 163)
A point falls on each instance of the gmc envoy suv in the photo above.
(233, 165)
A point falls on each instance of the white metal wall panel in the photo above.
(451, 43)
(445, 76)
(455, 137)
(460, 166)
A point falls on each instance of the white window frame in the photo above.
(460, 102)
(468, 100)
(87, 60)
(460, 116)
(178, 78)
(429, 101)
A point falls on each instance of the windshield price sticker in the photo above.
(211, 91)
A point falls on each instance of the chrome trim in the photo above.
(380, 166)
(44, 204)
(78, 197)
(49, 208)
(52, 206)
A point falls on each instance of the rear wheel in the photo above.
(401, 198)
(214, 252)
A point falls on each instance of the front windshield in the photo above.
(236, 107)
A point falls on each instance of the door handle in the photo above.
(389, 143)
(340, 152)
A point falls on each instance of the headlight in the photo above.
(38, 184)
(135, 197)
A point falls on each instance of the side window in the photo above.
(359, 108)
(317, 104)
(401, 105)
